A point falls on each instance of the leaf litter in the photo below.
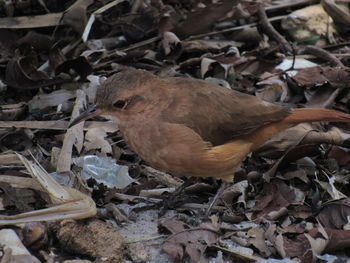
(289, 202)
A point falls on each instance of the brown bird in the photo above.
(189, 127)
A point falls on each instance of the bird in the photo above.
(190, 127)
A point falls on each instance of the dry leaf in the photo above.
(95, 138)
(187, 241)
(68, 202)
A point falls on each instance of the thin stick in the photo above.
(323, 54)
(231, 29)
(271, 32)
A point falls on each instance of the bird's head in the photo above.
(126, 95)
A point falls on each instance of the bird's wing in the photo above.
(178, 149)
(218, 114)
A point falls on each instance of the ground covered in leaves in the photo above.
(290, 199)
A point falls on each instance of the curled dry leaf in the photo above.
(300, 242)
(242, 10)
(39, 42)
(307, 241)
(256, 238)
(330, 188)
(298, 174)
(248, 35)
(21, 73)
(212, 68)
(172, 46)
(95, 138)
(237, 190)
(220, 82)
(53, 99)
(97, 13)
(310, 77)
(274, 90)
(136, 26)
(12, 112)
(335, 214)
(188, 241)
(68, 202)
(321, 97)
(278, 196)
(75, 15)
(194, 22)
(301, 134)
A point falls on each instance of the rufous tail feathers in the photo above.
(261, 135)
(234, 152)
(316, 114)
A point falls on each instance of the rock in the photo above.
(93, 238)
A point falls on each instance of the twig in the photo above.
(146, 239)
(231, 29)
(338, 45)
(284, 72)
(191, 230)
(162, 177)
(140, 44)
(271, 32)
(135, 198)
(325, 104)
(323, 54)
(74, 136)
(267, 9)
(108, 126)
(290, 4)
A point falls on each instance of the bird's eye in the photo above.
(119, 104)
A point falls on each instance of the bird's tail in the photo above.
(234, 152)
(316, 114)
(264, 133)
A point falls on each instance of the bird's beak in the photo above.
(87, 114)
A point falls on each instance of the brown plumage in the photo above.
(190, 127)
